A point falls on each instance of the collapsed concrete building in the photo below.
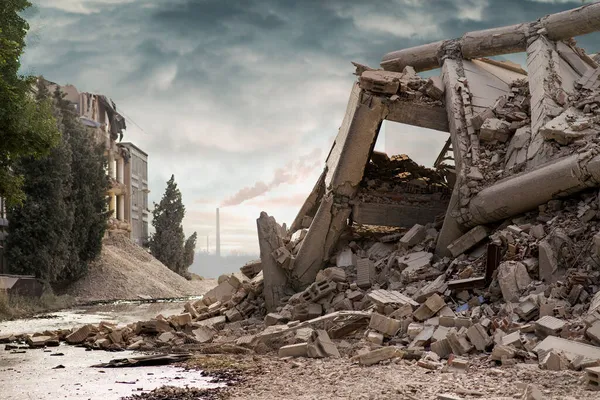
(517, 139)
(497, 252)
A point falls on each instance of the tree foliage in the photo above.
(57, 230)
(27, 127)
(167, 243)
(189, 250)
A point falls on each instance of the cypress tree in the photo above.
(189, 250)
(40, 227)
(167, 243)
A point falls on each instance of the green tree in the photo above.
(40, 227)
(89, 185)
(57, 230)
(27, 127)
(167, 243)
(189, 250)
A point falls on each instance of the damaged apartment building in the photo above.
(127, 163)
(127, 167)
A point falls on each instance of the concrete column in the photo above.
(121, 208)
(526, 191)
(113, 205)
(111, 165)
(120, 170)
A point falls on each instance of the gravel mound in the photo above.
(125, 271)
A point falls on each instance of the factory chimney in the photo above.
(218, 235)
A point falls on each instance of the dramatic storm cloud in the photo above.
(242, 99)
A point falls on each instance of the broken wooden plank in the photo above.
(423, 115)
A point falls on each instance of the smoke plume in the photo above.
(294, 171)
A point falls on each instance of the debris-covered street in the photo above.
(475, 278)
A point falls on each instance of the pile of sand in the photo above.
(125, 271)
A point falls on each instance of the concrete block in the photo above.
(479, 337)
(570, 348)
(80, 335)
(233, 315)
(365, 273)
(306, 311)
(294, 350)
(413, 329)
(387, 326)
(378, 355)
(459, 343)
(320, 345)
(592, 376)
(346, 258)
(593, 332)
(423, 337)
(318, 290)
(468, 240)
(441, 348)
(334, 274)
(414, 236)
(274, 319)
(203, 334)
(501, 352)
(553, 361)
(215, 322)
(434, 88)
(428, 309)
(38, 341)
(512, 339)
(190, 309)
(513, 279)
(384, 297)
(494, 129)
(181, 319)
(440, 333)
(375, 337)
(549, 326)
(380, 81)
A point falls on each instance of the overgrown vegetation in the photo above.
(57, 230)
(27, 127)
(13, 307)
(168, 244)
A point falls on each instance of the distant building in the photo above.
(136, 197)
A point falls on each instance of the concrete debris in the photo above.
(495, 252)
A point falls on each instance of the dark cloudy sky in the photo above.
(242, 99)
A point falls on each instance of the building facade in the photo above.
(136, 188)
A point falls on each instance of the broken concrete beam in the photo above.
(379, 81)
(80, 335)
(513, 279)
(327, 226)
(507, 198)
(494, 129)
(570, 348)
(275, 279)
(385, 325)
(294, 350)
(365, 273)
(311, 204)
(506, 40)
(396, 215)
(352, 148)
(415, 235)
(378, 355)
(468, 240)
(422, 115)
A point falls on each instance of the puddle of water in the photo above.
(31, 376)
